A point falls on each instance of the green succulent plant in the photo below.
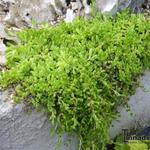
(79, 73)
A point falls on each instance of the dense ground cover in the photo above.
(80, 72)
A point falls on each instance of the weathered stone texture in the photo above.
(20, 130)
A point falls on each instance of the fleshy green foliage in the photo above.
(131, 145)
(138, 145)
(80, 72)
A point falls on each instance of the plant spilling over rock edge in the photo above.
(80, 72)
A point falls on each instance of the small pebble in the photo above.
(2, 53)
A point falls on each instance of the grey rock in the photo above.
(69, 16)
(106, 5)
(22, 13)
(76, 5)
(20, 130)
(118, 5)
(3, 33)
(2, 53)
(87, 9)
(8, 1)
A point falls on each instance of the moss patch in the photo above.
(80, 72)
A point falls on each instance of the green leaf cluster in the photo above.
(131, 145)
(80, 72)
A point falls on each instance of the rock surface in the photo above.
(2, 53)
(22, 13)
(119, 5)
(20, 130)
